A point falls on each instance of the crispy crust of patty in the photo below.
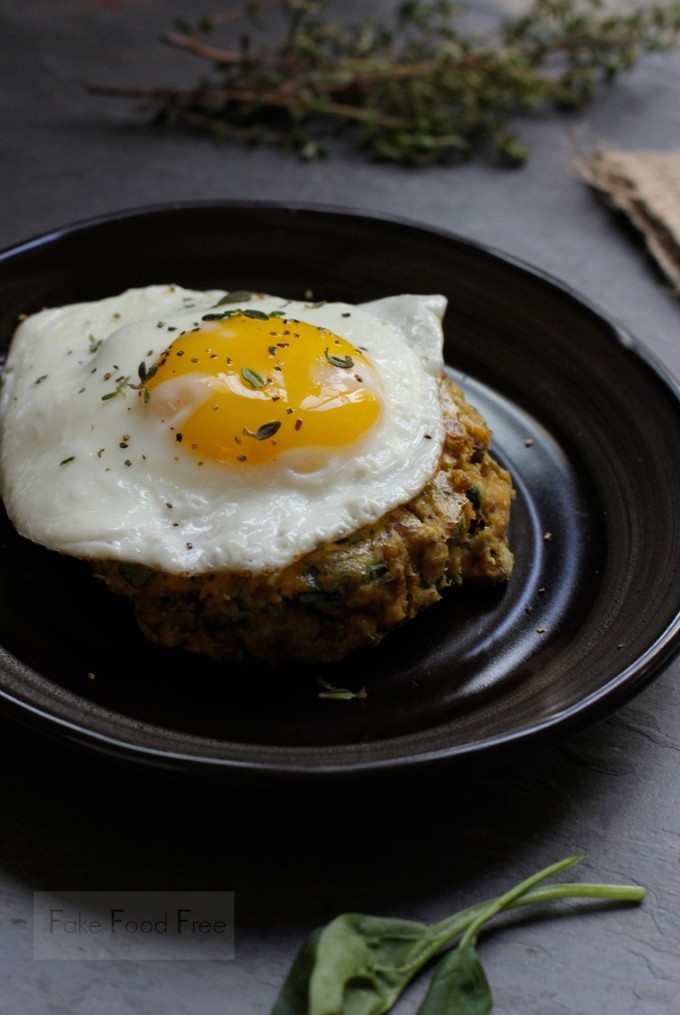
(352, 592)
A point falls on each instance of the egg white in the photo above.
(87, 471)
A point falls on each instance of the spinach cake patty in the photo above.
(349, 593)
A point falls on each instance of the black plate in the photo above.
(585, 420)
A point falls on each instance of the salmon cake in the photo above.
(351, 592)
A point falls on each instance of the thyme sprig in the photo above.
(122, 384)
(144, 373)
(420, 89)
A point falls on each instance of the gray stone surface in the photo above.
(73, 822)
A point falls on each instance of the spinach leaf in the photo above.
(294, 996)
(459, 986)
(359, 965)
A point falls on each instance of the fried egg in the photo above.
(192, 431)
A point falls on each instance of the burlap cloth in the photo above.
(646, 186)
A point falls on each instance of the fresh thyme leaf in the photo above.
(120, 389)
(475, 497)
(252, 377)
(224, 316)
(418, 88)
(346, 362)
(338, 693)
(146, 373)
(238, 296)
(265, 431)
(185, 27)
(257, 315)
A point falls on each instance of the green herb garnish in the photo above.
(252, 377)
(265, 431)
(239, 296)
(475, 497)
(346, 362)
(120, 389)
(145, 373)
(338, 693)
(226, 315)
(419, 88)
(363, 963)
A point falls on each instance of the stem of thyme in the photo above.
(417, 90)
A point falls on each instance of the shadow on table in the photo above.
(295, 858)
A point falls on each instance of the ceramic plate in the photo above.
(587, 423)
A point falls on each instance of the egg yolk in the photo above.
(244, 389)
